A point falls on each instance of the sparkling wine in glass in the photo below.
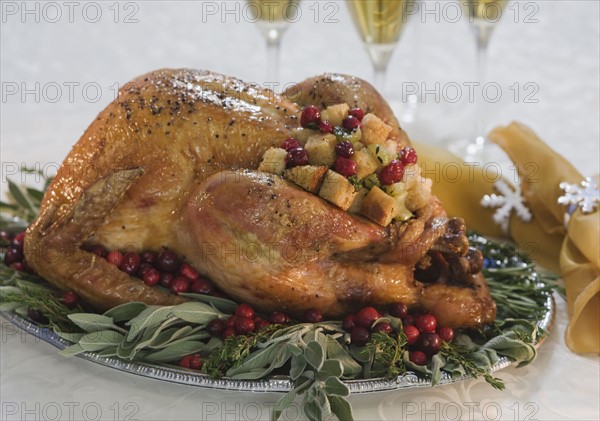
(273, 18)
(483, 15)
(380, 24)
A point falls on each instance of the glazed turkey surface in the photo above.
(171, 163)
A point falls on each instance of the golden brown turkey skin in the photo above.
(141, 176)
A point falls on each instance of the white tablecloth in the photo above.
(61, 63)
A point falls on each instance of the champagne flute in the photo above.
(483, 16)
(380, 24)
(273, 18)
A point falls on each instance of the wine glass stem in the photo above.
(483, 33)
(273, 36)
(379, 76)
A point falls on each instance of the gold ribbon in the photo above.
(573, 252)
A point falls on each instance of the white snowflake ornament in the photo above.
(508, 200)
(586, 195)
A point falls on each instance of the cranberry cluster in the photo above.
(393, 172)
(14, 257)
(164, 268)
(424, 339)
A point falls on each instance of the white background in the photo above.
(552, 44)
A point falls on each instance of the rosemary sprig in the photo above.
(459, 355)
(386, 353)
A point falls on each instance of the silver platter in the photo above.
(270, 384)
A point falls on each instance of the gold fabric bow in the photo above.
(573, 251)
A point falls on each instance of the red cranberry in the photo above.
(412, 334)
(351, 123)
(18, 240)
(180, 284)
(149, 257)
(166, 279)
(409, 320)
(230, 323)
(325, 127)
(398, 310)
(18, 266)
(144, 267)
(69, 299)
(427, 323)
(384, 327)
(349, 322)
(408, 156)
(189, 272)
(313, 316)
(417, 357)
(185, 361)
(391, 173)
(278, 318)
(37, 316)
(151, 277)
(360, 336)
(228, 332)
(244, 310)
(12, 255)
(345, 166)
(446, 334)
(260, 323)
(290, 143)
(430, 343)
(244, 325)
(131, 263)
(196, 362)
(296, 157)
(167, 262)
(367, 316)
(202, 286)
(216, 327)
(344, 149)
(358, 113)
(310, 118)
(115, 257)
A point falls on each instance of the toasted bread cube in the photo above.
(379, 207)
(419, 195)
(412, 176)
(307, 176)
(321, 149)
(357, 203)
(338, 190)
(366, 163)
(401, 213)
(273, 161)
(335, 114)
(374, 130)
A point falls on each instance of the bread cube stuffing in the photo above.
(419, 195)
(273, 161)
(307, 176)
(374, 130)
(321, 149)
(335, 114)
(357, 203)
(379, 207)
(338, 190)
(366, 163)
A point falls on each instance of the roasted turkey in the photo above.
(171, 164)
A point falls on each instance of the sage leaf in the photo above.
(222, 304)
(195, 312)
(284, 402)
(176, 352)
(21, 198)
(148, 318)
(333, 386)
(125, 312)
(257, 359)
(314, 354)
(98, 341)
(71, 337)
(297, 367)
(331, 368)
(335, 351)
(108, 352)
(91, 322)
(72, 350)
(437, 363)
(312, 411)
(341, 408)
